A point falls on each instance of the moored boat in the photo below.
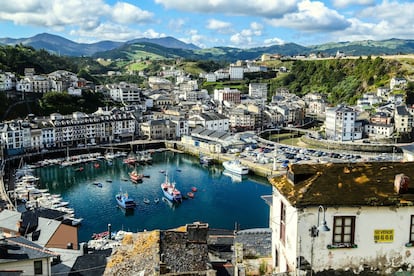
(190, 194)
(170, 191)
(135, 176)
(235, 166)
(125, 201)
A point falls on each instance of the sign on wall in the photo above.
(385, 235)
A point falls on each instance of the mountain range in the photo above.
(170, 47)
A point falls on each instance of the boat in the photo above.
(96, 165)
(109, 180)
(190, 194)
(235, 166)
(156, 200)
(125, 201)
(170, 191)
(235, 177)
(206, 160)
(135, 176)
(194, 189)
(146, 201)
(99, 184)
(97, 236)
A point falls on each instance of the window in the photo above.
(344, 230)
(412, 229)
(38, 268)
(282, 222)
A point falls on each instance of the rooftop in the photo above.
(345, 184)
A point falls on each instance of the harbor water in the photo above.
(221, 200)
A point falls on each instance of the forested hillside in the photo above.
(341, 80)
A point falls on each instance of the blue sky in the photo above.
(210, 23)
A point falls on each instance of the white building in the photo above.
(340, 124)
(211, 77)
(258, 90)
(34, 84)
(209, 120)
(397, 83)
(124, 92)
(227, 94)
(343, 217)
(7, 81)
(236, 72)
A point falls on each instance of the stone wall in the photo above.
(179, 255)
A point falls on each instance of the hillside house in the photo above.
(343, 217)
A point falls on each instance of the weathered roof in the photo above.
(345, 184)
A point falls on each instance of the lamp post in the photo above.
(314, 231)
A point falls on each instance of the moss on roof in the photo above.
(345, 184)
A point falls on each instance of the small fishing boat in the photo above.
(109, 180)
(96, 165)
(99, 184)
(135, 176)
(146, 201)
(194, 189)
(125, 201)
(156, 200)
(190, 194)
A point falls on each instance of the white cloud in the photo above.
(219, 26)
(387, 20)
(312, 17)
(126, 13)
(246, 37)
(347, 3)
(194, 37)
(82, 14)
(273, 41)
(115, 32)
(266, 8)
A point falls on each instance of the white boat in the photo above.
(235, 166)
(170, 191)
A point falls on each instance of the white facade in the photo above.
(236, 72)
(7, 81)
(320, 251)
(340, 124)
(369, 224)
(397, 83)
(258, 90)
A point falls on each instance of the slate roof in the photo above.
(91, 264)
(20, 248)
(345, 184)
(44, 231)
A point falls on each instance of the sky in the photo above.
(211, 23)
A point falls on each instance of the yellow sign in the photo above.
(384, 235)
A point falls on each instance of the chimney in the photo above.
(401, 183)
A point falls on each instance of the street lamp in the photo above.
(321, 225)
(314, 232)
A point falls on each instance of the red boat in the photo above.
(190, 194)
(96, 165)
(134, 176)
(101, 235)
(194, 189)
(130, 160)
